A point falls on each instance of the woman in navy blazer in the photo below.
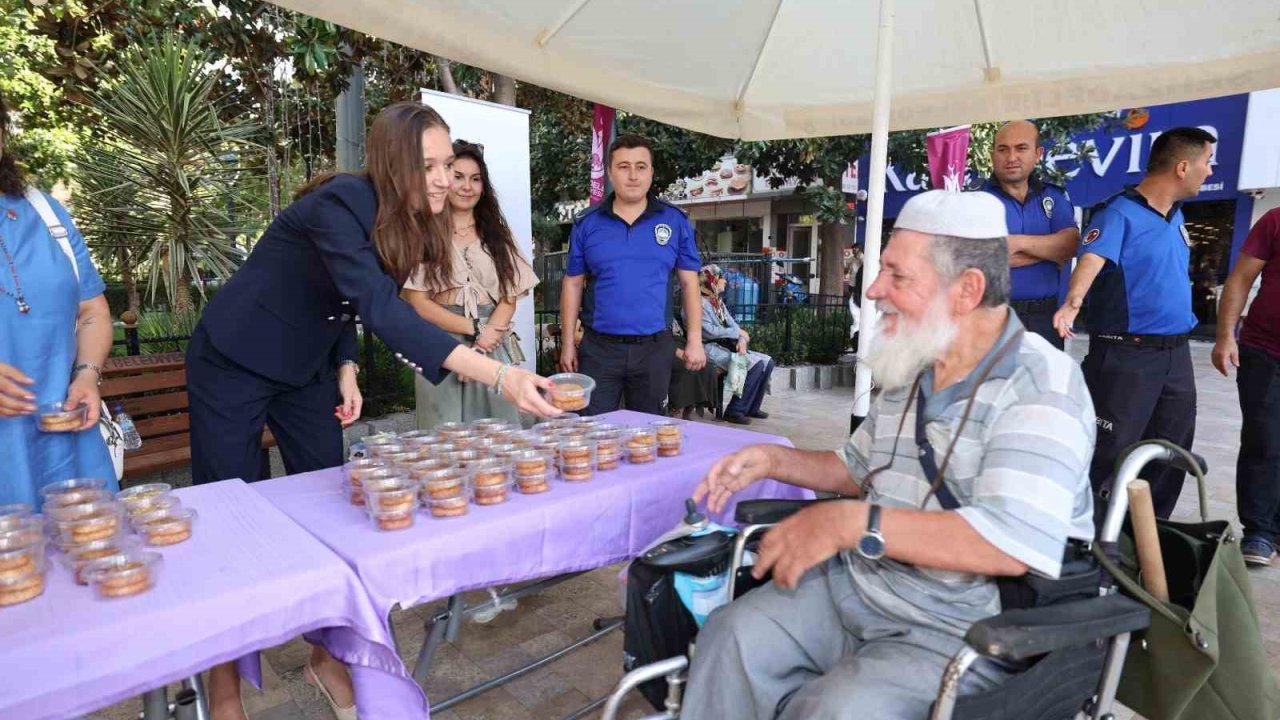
(277, 344)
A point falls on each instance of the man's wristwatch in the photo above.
(871, 545)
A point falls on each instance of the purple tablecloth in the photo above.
(576, 526)
(248, 579)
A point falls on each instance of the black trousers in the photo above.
(1040, 322)
(1141, 393)
(229, 406)
(1258, 465)
(637, 373)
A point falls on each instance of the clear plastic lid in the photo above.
(167, 520)
(577, 451)
(13, 512)
(59, 417)
(379, 451)
(23, 533)
(641, 436)
(145, 505)
(123, 575)
(378, 439)
(79, 511)
(374, 475)
(418, 470)
(449, 429)
(75, 490)
(489, 471)
(462, 458)
(667, 431)
(392, 499)
(142, 492)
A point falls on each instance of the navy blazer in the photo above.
(287, 313)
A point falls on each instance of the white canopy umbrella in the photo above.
(768, 69)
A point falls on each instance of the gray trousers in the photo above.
(818, 653)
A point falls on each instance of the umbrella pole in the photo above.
(875, 206)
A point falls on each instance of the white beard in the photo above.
(895, 360)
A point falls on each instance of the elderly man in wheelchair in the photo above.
(964, 490)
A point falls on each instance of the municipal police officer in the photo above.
(1042, 226)
(1139, 364)
(623, 251)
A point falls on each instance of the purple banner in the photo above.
(948, 152)
(601, 129)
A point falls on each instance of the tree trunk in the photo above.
(446, 76)
(182, 302)
(832, 240)
(129, 281)
(504, 90)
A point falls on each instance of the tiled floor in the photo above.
(812, 419)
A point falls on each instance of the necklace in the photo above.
(17, 295)
(460, 230)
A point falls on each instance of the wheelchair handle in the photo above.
(1134, 461)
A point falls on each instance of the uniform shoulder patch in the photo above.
(1092, 235)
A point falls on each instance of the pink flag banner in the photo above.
(948, 152)
(601, 129)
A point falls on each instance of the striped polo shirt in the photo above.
(1020, 471)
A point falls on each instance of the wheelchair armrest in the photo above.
(767, 512)
(1022, 634)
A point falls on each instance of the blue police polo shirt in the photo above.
(1144, 288)
(1045, 211)
(629, 265)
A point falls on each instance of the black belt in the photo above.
(1163, 342)
(627, 339)
(1048, 303)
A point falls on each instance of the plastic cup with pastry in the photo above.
(123, 575)
(669, 437)
(532, 471)
(359, 477)
(166, 527)
(13, 515)
(58, 417)
(92, 521)
(502, 450)
(576, 452)
(384, 449)
(464, 457)
(22, 583)
(562, 421)
(641, 445)
(21, 557)
(388, 497)
(571, 391)
(608, 448)
(410, 437)
(77, 557)
(587, 424)
(487, 426)
(355, 470)
(22, 533)
(490, 480)
(454, 506)
(465, 439)
(505, 434)
(74, 491)
(391, 520)
(577, 472)
(444, 484)
(449, 429)
(144, 498)
(427, 445)
(422, 469)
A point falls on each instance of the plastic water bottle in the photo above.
(132, 440)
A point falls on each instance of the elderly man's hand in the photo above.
(807, 538)
(732, 473)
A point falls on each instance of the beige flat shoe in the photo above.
(312, 679)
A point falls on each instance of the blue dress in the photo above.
(42, 344)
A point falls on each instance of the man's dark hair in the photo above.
(629, 141)
(12, 179)
(1174, 146)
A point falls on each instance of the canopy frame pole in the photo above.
(875, 204)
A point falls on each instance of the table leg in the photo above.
(437, 631)
(155, 704)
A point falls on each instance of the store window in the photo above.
(1210, 226)
(739, 235)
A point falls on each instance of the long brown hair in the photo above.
(491, 225)
(405, 231)
(12, 180)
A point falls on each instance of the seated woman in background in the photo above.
(471, 293)
(722, 338)
(690, 389)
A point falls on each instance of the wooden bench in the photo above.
(153, 390)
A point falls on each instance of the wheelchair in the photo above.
(1071, 652)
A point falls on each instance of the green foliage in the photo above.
(818, 335)
(161, 177)
(160, 324)
(388, 382)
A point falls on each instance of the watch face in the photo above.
(871, 547)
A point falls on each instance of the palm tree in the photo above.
(161, 179)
